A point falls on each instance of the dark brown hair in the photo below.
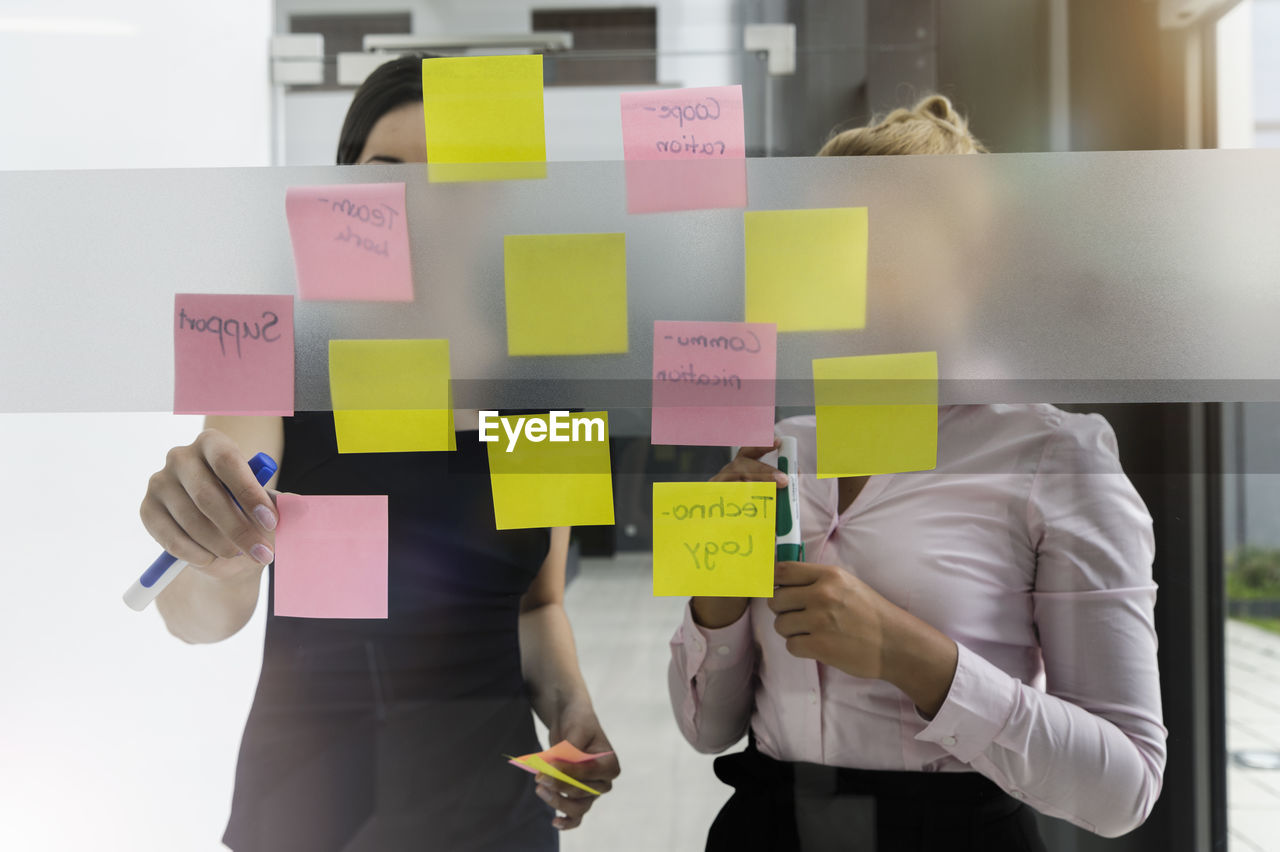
(390, 86)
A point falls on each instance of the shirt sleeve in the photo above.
(1091, 749)
(711, 680)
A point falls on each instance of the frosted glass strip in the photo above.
(1100, 277)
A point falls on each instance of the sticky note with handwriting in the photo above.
(331, 556)
(566, 293)
(350, 242)
(232, 354)
(876, 413)
(685, 149)
(549, 470)
(391, 396)
(713, 383)
(806, 270)
(714, 538)
(484, 118)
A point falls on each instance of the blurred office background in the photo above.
(113, 735)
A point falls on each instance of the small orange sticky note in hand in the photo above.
(564, 751)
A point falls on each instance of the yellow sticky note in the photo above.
(554, 473)
(566, 294)
(806, 270)
(876, 413)
(535, 762)
(391, 396)
(484, 118)
(714, 538)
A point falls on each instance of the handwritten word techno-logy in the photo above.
(688, 373)
(705, 553)
(236, 329)
(379, 216)
(706, 110)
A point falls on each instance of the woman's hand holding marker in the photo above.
(745, 467)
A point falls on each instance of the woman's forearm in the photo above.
(919, 659)
(549, 659)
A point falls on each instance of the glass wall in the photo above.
(1135, 283)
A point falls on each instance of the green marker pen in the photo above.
(790, 547)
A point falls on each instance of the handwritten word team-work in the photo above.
(380, 216)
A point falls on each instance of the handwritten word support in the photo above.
(714, 538)
(714, 383)
(484, 118)
(233, 354)
(876, 413)
(351, 242)
(685, 149)
(806, 270)
(543, 484)
(566, 293)
(391, 396)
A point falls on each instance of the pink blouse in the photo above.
(1029, 547)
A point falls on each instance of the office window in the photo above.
(631, 34)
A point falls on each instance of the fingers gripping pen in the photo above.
(790, 543)
(167, 566)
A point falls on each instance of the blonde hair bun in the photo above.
(932, 126)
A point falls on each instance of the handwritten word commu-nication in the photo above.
(691, 374)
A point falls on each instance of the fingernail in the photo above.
(262, 553)
(266, 517)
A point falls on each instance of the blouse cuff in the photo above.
(977, 707)
(713, 649)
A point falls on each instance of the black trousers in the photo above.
(805, 807)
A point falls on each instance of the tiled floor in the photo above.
(668, 795)
(1253, 722)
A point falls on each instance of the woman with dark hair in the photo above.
(370, 734)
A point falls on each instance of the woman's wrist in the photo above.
(919, 659)
(714, 613)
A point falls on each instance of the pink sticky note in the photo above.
(713, 383)
(232, 354)
(563, 751)
(685, 149)
(350, 242)
(331, 556)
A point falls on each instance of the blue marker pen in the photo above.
(167, 566)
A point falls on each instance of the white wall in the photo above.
(1235, 77)
(113, 734)
(695, 40)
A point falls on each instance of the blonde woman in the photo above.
(964, 644)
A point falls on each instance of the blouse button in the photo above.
(722, 650)
(949, 740)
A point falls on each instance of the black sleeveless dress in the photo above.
(389, 735)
